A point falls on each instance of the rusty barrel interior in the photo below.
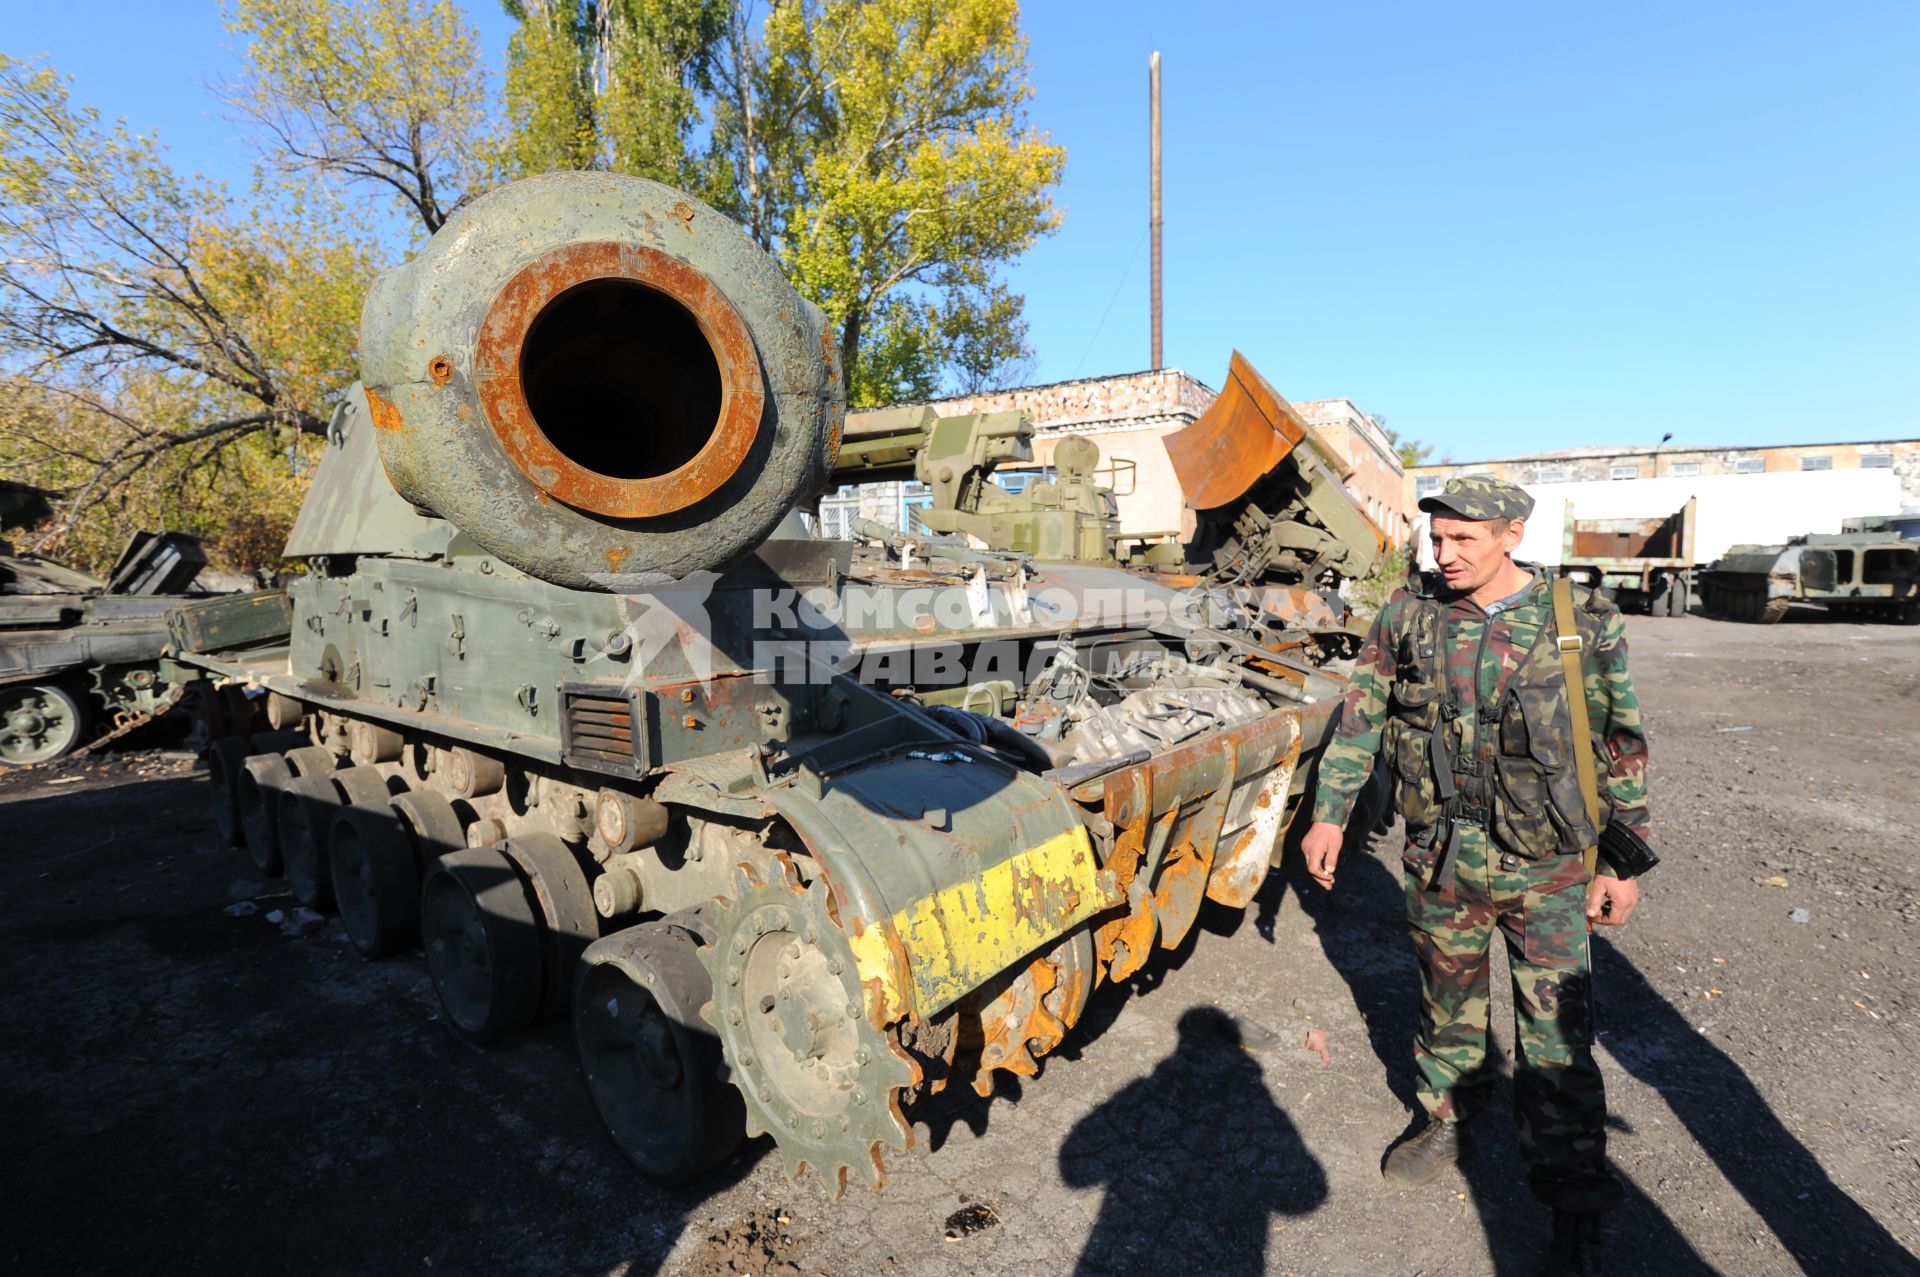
(621, 380)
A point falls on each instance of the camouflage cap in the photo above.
(1480, 498)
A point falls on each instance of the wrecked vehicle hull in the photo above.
(1864, 575)
(795, 835)
(79, 654)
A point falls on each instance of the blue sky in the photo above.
(1504, 227)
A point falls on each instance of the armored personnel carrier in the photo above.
(1869, 575)
(796, 831)
(78, 652)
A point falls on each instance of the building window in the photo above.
(1551, 476)
(1624, 472)
(1816, 463)
(1750, 465)
(1876, 461)
(1684, 469)
(1428, 485)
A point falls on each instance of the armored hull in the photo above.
(796, 831)
(1861, 574)
(78, 652)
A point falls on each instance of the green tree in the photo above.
(166, 347)
(882, 148)
(609, 84)
(1410, 451)
(549, 92)
(878, 147)
(387, 93)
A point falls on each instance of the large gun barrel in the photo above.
(591, 374)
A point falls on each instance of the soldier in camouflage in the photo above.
(1460, 692)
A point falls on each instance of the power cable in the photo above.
(1109, 310)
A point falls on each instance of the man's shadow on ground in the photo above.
(1196, 1158)
(1362, 929)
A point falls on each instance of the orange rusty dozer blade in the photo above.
(1237, 441)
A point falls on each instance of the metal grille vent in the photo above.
(601, 730)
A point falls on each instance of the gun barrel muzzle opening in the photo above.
(619, 379)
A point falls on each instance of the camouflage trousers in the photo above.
(1539, 909)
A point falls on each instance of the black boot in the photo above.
(1576, 1245)
(1420, 1160)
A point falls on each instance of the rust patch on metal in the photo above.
(1167, 816)
(616, 556)
(1238, 440)
(385, 415)
(440, 369)
(831, 358)
(684, 212)
(503, 399)
(1023, 1015)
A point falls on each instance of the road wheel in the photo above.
(434, 825)
(257, 795)
(568, 920)
(38, 722)
(479, 926)
(224, 760)
(376, 881)
(652, 1065)
(305, 820)
(312, 760)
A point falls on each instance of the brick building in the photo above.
(1375, 476)
(1677, 461)
(1128, 416)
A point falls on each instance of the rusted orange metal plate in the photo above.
(503, 333)
(1241, 437)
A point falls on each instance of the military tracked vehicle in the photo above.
(79, 653)
(796, 831)
(1868, 575)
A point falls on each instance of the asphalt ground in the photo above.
(183, 1089)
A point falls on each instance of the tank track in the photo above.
(125, 722)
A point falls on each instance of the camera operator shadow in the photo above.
(1196, 1158)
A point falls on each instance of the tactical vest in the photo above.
(1520, 784)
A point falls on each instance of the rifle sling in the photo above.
(1568, 639)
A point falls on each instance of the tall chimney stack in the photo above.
(1153, 222)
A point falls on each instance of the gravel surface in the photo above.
(193, 1077)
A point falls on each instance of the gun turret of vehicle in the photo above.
(590, 374)
(1066, 517)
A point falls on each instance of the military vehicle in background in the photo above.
(78, 653)
(796, 831)
(1904, 527)
(1061, 516)
(1647, 564)
(1867, 575)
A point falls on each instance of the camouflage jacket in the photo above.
(1501, 697)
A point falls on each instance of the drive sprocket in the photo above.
(815, 1072)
